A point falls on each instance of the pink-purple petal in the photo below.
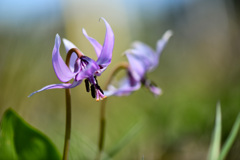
(69, 45)
(62, 71)
(163, 41)
(106, 54)
(57, 86)
(155, 90)
(147, 55)
(143, 50)
(125, 88)
(137, 67)
(97, 46)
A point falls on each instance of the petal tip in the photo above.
(30, 95)
(57, 40)
(57, 36)
(105, 21)
(84, 32)
(101, 18)
(167, 34)
(127, 52)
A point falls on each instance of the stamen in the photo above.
(143, 81)
(99, 88)
(100, 96)
(147, 82)
(87, 85)
(153, 84)
(95, 77)
(93, 91)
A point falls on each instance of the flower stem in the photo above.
(68, 108)
(102, 127)
(70, 52)
(68, 124)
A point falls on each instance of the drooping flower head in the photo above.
(79, 67)
(142, 59)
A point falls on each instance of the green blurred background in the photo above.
(199, 66)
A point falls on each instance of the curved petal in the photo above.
(106, 54)
(146, 54)
(125, 88)
(143, 49)
(152, 87)
(137, 67)
(89, 70)
(155, 90)
(57, 86)
(163, 41)
(69, 45)
(97, 46)
(62, 71)
(161, 44)
(110, 91)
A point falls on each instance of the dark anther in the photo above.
(87, 85)
(95, 77)
(93, 92)
(143, 81)
(147, 82)
(99, 88)
(153, 84)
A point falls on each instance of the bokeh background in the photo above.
(199, 67)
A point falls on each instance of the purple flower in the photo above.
(142, 59)
(81, 67)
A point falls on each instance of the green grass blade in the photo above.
(214, 149)
(124, 140)
(82, 147)
(228, 144)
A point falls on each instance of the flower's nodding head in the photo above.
(79, 67)
(142, 59)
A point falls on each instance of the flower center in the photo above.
(95, 89)
(80, 65)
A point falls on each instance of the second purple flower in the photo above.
(141, 60)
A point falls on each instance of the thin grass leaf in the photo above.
(124, 140)
(83, 148)
(214, 149)
(228, 144)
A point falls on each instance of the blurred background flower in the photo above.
(199, 66)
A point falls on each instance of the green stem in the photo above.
(68, 107)
(68, 124)
(102, 127)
